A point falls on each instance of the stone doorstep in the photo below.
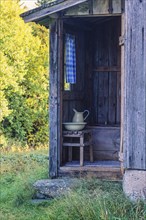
(134, 184)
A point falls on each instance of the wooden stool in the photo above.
(85, 139)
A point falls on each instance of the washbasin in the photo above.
(74, 126)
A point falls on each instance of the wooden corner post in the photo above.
(53, 101)
(135, 85)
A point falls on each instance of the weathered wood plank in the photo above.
(92, 170)
(103, 98)
(88, 84)
(106, 155)
(102, 155)
(122, 87)
(100, 92)
(106, 144)
(53, 106)
(106, 84)
(65, 111)
(100, 7)
(74, 95)
(107, 69)
(118, 99)
(82, 9)
(119, 75)
(112, 98)
(111, 142)
(135, 85)
(117, 6)
(60, 86)
(104, 163)
(112, 176)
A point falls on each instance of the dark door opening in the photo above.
(98, 84)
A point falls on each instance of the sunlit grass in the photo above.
(93, 199)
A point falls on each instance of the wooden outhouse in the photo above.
(109, 38)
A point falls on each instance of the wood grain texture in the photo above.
(106, 144)
(101, 170)
(100, 7)
(53, 105)
(106, 138)
(107, 83)
(59, 89)
(122, 92)
(135, 85)
(107, 69)
(81, 9)
(116, 6)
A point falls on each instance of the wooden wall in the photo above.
(106, 142)
(105, 73)
(135, 85)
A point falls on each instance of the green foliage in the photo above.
(92, 200)
(24, 77)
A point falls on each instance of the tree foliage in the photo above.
(24, 77)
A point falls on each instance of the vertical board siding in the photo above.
(106, 85)
(89, 46)
(135, 85)
(118, 101)
(112, 98)
(53, 105)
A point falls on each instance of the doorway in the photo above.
(98, 85)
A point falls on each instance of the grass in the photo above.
(93, 200)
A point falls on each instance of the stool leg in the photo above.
(81, 156)
(91, 153)
(81, 150)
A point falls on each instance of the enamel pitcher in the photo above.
(79, 116)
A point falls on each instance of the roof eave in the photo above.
(47, 10)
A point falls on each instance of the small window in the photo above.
(69, 61)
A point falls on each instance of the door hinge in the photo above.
(121, 40)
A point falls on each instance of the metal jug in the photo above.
(78, 116)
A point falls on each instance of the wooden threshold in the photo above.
(109, 170)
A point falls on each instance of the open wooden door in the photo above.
(121, 43)
(134, 91)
